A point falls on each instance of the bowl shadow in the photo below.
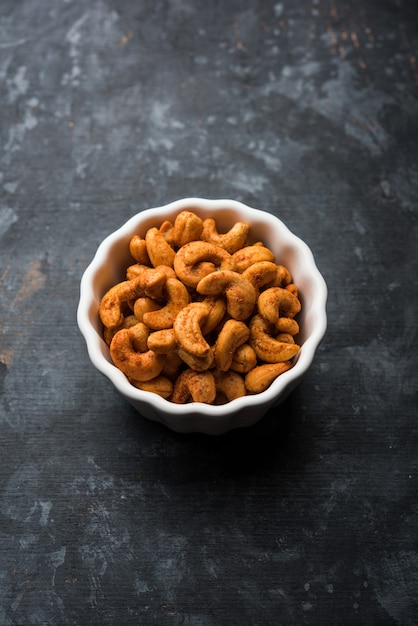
(267, 447)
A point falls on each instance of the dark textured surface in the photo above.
(307, 109)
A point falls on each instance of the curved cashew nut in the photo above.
(197, 259)
(188, 329)
(282, 278)
(216, 310)
(197, 363)
(172, 365)
(267, 347)
(163, 341)
(166, 229)
(136, 270)
(153, 279)
(285, 337)
(132, 357)
(252, 254)
(277, 302)
(110, 308)
(128, 322)
(261, 377)
(287, 325)
(187, 227)
(144, 305)
(160, 385)
(260, 273)
(177, 298)
(244, 359)
(138, 249)
(159, 250)
(232, 335)
(230, 384)
(293, 289)
(231, 241)
(196, 386)
(240, 293)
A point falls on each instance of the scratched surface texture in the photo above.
(304, 108)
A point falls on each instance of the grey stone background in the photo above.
(307, 109)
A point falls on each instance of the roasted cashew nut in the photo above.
(177, 298)
(196, 386)
(282, 278)
(160, 385)
(285, 337)
(197, 259)
(231, 241)
(232, 335)
(138, 249)
(159, 250)
(293, 289)
(128, 354)
(153, 279)
(277, 302)
(197, 363)
(260, 273)
(136, 270)
(216, 307)
(110, 309)
(261, 377)
(187, 227)
(287, 325)
(188, 329)
(267, 347)
(230, 384)
(172, 366)
(252, 254)
(163, 341)
(128, 322)
(244, 359)
(144, 305)
(239, 292)
(166, 229)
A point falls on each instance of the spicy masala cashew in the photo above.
(199, 386)
(161, 385)
(130, 354)
(187, 227)
(239, 292)
(188, 329)
(110, 309)
(261, 377)
(231, 241)
(266, 346)
(230, 384)
(232, 335)
(197, 259)
(177, 298)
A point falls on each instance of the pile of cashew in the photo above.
(202, 316)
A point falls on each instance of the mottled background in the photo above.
(304, 108)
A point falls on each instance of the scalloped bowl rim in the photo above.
(98, 350)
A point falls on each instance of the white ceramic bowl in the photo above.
(108, 267)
